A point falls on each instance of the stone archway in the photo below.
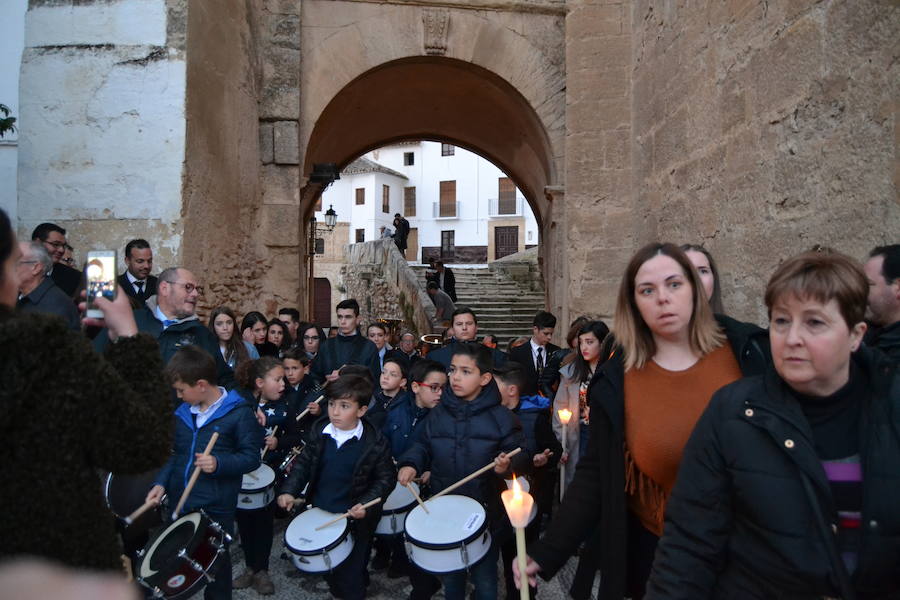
(439, 99)
(489, 81)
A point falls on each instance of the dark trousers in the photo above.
(220, 589)
(508, 554)
(349, 579)
(424, 584)
(255, 527)
(641, 549)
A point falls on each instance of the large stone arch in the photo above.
(450, 75)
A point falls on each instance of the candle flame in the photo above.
(564, 415)
(516, 489)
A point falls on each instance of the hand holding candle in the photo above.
(518, 507)
(564, 416)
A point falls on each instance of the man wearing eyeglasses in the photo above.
(53, 237)
(171, 318)
(37, 292)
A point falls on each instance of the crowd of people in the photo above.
(705, 457)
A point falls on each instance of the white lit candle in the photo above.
(564, 415)
(518, 506)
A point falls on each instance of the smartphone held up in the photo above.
(100, 274)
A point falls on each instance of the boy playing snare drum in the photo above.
(468, 429)
(208, 408)
(347, 463)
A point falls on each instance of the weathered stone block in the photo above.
(280, 225)
(594, 21)
(280, 185)
(286, 141)
(266, 143)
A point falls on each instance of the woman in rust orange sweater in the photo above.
(670, 355)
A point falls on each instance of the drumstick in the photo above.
(194, 476)
(141, 510)
(266, 449)
(347, 514)
(469, 478)
(412, 491)
(306, 410)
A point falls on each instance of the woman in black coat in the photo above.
(790, 484)
(67, 414)
(661, 311)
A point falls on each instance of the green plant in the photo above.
(7, 123)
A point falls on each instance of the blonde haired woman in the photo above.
(670, 356)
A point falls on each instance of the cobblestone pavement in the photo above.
(294, 585)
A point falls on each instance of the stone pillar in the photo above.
(599, 217)
(283, 229)
(102, 122)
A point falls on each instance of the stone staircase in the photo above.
(505, 308)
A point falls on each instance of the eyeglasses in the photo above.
(56, 245)
(188, 287)
(434, 387)
(310, 338)
(28, 262)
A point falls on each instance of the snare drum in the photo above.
(452, 536)
(257, 488)
(178, 562)
(397, 505)
(124, 494)
(318, 551)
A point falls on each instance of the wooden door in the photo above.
(322, 302)
(506, 241)
(412, 244)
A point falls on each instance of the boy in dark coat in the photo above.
(467, 430)
(346, 463)
(348, 347)
(208, 408)
(405, 418)
(542, 446)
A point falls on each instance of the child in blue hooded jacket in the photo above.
(208, 408)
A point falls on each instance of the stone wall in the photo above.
(241, 190)
(594, 215)
(377, 275)
(762, 128)
(102, 130)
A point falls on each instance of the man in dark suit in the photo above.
(444, 278)
(401, 232)
(137, 281)
(53, 237)
(464, 325)
(533, 355)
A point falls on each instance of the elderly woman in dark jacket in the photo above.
(67, 413)
(790, 484)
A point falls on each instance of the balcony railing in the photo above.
(507, 208)
(447, 214)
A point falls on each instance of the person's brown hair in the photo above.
(715, 301)
(234, 347)
(822, 276)
(633, 334)
(189, 365)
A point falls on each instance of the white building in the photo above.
(12, 42)
(460, 206)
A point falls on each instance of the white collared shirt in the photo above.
(204, 415)
(534, 353)
(132, 279)
(340, 436)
